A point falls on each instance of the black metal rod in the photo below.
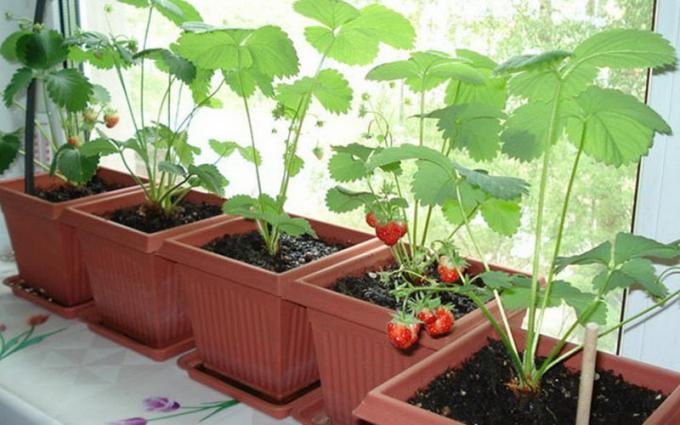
(29, 133)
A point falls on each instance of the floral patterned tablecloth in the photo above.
(74, 377)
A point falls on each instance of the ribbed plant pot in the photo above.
(136, 292)
(386, 404)
(352, 348)
(48, 256)
(244, 329)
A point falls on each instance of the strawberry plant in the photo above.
(160, 141)
(252, 60)
(72, 103)
(561, 102)
(470, 126)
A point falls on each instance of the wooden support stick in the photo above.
(585, 391)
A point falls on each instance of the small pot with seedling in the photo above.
(51, 272)
(136, 293)
(350, 303)
(236, 274)
(521, 376)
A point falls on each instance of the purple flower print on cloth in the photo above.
(129, 421)
(160, 404)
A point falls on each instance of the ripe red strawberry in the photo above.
(403, 331)
(111, 119)
(391, 232)
(449, 271)
(426, 316)
(442, 324)
(73, 141)
(371, 220)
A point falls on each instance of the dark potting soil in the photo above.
(368, 287)
(69, 192)
(477, 394)
(152, 219)
(295, 251)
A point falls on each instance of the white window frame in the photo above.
(656, 339)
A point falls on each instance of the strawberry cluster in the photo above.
(389, 232)
(404, 329)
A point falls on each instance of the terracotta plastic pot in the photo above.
(47, 254)
(352, 350)
(243, 327)
(386, 404)
(136, 292)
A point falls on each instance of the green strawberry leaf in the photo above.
(74, 166)
(341, 200)
(41, 50)
(20, 81)
(601, 254)
(627, 247)
(502, 216)
(616, 128)
(209, 178)
(330, 88)
(168, 62)
(177, 11)
(549, 59)
(8, 49)
(353, 36)
(9, 149)
(98, 147)
(637, 271)
(69, 88)
(474, 127)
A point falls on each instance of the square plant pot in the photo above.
(387, 403)
(136, 292)
(352, 348)
(48, 256)
(244, 329)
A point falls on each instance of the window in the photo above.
(498, 28)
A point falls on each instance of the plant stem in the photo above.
(421, 141)
(532, 337)
(141, 84)
(560, 228)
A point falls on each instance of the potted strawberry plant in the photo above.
(236, 273)
(136, 293)
(50, 271)
(496, 372)
(349, 303)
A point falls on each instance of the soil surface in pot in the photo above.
(295, 251)
(477, 393)
(69, 192)
(368, 287)
(150, 219)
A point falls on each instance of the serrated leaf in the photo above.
(293, 226)
(20, 81)
(41, 50)
(295, 166)
(353, 36)
(100, 59)
(341, 200)
(209, 177)
(8, 49)
(250, 154)
(244, 82)
(273, 52)
(168, 62)
(200, 89)
(500, 187)
(100, 95)
(345, 167)
(211, 50)
(473, 127)
(69, 88)
(177, 11)
(9, 149)
(619, 129)
(637, 271)
(432, 184)
(136, 3)
(601, 254)
(471, 198)
(502, 216)
(526, 130)
(98, 147)
(496, 280)
(628, 246)
(330, 88)
(74, 166)
(549, 59)
(171, 168)
(223, 149)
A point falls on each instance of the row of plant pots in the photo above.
(275, 333)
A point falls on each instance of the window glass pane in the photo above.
(603, 196)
